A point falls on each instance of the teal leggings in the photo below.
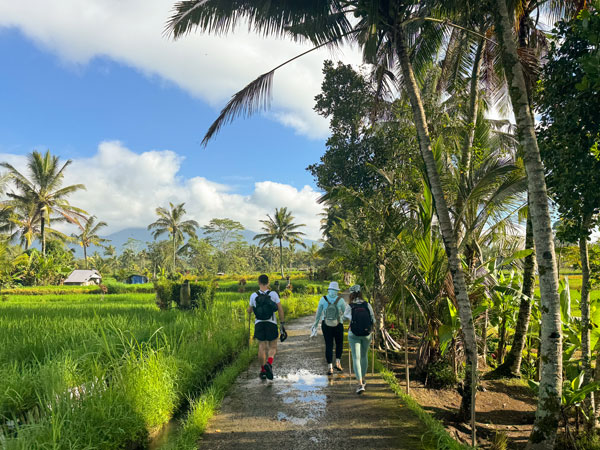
(359, 345)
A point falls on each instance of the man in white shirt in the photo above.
(263, 304)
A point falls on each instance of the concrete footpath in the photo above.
(303, 408)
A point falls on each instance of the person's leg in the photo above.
(263, 347)
(272, 351)
(269, 341)
(328, 336)
(364, 355)
(354, 345)
(339, 345)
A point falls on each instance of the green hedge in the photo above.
(51, 290)
(113, 287)
(298, 286)
(202, 293)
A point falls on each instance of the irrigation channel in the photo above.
(303, 407)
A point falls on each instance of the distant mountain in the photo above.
(120, 238)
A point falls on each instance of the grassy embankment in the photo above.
(80, 372)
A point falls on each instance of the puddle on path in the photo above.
(283, 417)
(303, 380)
(305, 390)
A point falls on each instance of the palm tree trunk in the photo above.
(174, 255)
(406, 368)
(586, 354)
(465, 158)
(379, 300)
(458, 277)
(471, 120)
(43, 234)
(484, 332)
(502, 340)
(545, 427)
(85, 256)
(512, 364)
(281, 257)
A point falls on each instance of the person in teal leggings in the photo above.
(361, 317)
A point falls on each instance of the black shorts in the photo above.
(266, 331)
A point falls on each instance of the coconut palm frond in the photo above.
(186, 16)
(262, 16)
(331, 29)
(254, 97)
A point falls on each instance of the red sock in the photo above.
(270, 361)
(262, 369)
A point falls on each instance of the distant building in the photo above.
(136, 279)
(83, 278)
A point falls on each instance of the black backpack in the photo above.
(361, 322)
(265, 306)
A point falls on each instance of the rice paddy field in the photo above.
(82, 371)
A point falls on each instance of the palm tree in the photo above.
(313, 255)
(110, 251)
(23, 223)
(89, 236)
(255, 257)
(44, 190)
(280, 228)
(171, 221)
(545, 427)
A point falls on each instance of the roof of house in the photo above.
(81, 276)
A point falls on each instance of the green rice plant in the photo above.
(77, 371)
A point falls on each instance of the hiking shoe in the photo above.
(330, 371)
(339, 368)
(263, 375)
(360, 389)
(269, 371)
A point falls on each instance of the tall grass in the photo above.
(80, 372)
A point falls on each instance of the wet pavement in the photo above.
(303, 408)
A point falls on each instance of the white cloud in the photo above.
(209, 67)
(124, 188)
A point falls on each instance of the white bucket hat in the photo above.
(334, 285)
(355, 288)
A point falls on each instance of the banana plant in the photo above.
(573, 394)
(571, 325)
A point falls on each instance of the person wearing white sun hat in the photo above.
(330, 313)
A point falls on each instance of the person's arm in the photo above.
(250, 306)
(280, 312)
(372, 313)
(341, 309)
(277, 300)
(318, 315)
(348, 312)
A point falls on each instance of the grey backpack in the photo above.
(332, 315)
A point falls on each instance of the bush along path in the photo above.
(304, 408)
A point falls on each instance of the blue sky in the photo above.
(98, 82)
(70, 108)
